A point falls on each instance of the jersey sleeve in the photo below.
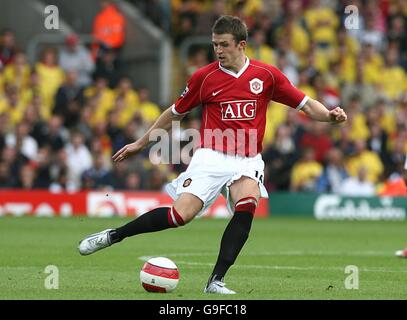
(190, 98)
(286, 93)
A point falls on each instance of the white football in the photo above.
(159, 274)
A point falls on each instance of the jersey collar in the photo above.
(236, 75)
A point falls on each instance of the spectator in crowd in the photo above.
(22, 141)
(322, 22)
(6, 181)
(51, 133)
(280, 157)
(368, 160)
(197, 58)
(288, 69)
(120, 173)
(42, 165)
(358, 186)
(334, 173)
(27, 177)
(395, 158)
(293, 33)
(149, 110)
(157, 179)
(185, 29)
(206, 19)
(128, 134)
(394, 186)
(371, 34)
(12, 106)
(317, 138)
(344, 142)
(85, 124)
(109, 30)
(101, 142)
(8, 47)
(98, 176)
(258, 49)
(18, 72)
(305, 172)
(100, 99)
(68, 99)
(3, 127)
(397, 34)
(14, 160)
(78, 159)
(76, 57)
(108, 66)
(59, 173)
(377, 141)
(133, 182)
(113, 126)
(393, 76)
(127, 99)
(51, 76)
(357, 124)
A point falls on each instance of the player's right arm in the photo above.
(189, 99)
(164, 121)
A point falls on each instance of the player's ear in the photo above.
(242, 44)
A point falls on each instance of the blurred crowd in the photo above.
(63, 117)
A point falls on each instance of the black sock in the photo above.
(233, 239)
(154, 220)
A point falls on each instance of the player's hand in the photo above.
(126, 151)
(337, 115)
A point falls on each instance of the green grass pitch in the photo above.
(284, 258)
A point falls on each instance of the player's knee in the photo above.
(247, 204)
(175, 219)
(187, 207)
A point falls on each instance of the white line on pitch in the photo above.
(291, 253)
(272, 267)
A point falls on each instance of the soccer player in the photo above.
(403, 253)
(233, 93)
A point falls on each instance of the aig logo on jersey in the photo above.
(239, 110)
(256, 85)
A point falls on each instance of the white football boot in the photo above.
(217, 286)
(95, 242)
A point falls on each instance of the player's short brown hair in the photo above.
(232, 25)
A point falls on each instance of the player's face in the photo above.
(227, 50)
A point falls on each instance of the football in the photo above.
(159, 274)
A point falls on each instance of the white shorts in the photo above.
(211, 173)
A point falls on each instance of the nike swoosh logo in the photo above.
(216, 92)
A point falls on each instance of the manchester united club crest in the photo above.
(256, 85)
(187, 182)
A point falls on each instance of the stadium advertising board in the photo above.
(336, 207)
(96, 204)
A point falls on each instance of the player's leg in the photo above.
(245, 194)
(184, 209)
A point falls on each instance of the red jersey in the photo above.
(235, 105)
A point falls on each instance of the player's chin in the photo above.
(223, 62)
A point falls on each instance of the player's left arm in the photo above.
(317, 111)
